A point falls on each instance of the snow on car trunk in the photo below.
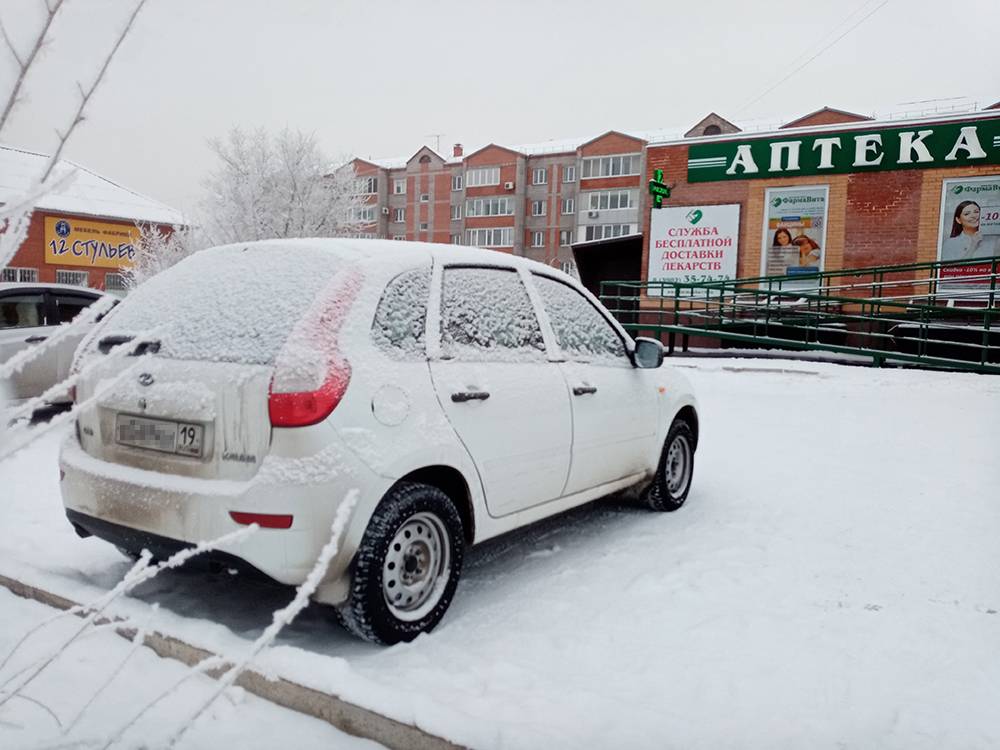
(214, 333)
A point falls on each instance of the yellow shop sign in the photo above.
(82, 242)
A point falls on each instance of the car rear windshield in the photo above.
(226, 305)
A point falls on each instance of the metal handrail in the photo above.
(847, 312)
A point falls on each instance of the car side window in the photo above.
(68, 306)
(400, 319)
(22, 311)
(486, 315)
(583, 333)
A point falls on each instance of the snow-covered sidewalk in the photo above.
(65, 696)
(832, 582)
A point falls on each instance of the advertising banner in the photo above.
(962, 144)
(693, 244)
(94, 244)
(970, 228)
(794, 231)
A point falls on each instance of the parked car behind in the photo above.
(462, 393)
(29, 314)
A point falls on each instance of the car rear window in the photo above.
(226, 305)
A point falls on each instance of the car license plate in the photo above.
(162, 435)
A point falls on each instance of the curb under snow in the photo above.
(347, 717)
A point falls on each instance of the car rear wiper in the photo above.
(107, 343)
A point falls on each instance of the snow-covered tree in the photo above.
(280, 185)
(158, 248)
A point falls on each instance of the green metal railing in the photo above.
(941, 315)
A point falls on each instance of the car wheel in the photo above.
(407, 566)
(670, 486)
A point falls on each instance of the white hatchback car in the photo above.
(461, 392)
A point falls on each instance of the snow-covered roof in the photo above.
(87, 193)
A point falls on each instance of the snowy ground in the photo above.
(832, 582)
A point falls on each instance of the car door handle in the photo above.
(469, 396)
(35, 339)
(582, 390)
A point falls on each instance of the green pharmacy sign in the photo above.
(658, 189)
(960, 144)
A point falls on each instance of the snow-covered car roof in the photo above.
(379, 251)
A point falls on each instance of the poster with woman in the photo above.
(970, 228)
(794, 231)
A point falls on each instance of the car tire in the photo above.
(672, 482)
(407, 566)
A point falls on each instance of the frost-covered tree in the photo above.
(158, 248)
(268, 186)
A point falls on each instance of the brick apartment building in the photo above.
(83, 232)
(535, 201)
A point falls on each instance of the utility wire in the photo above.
(817, 54)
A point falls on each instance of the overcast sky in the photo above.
(376, 78)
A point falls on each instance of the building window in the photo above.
(489, 207)
(611, 166)
(568, 206)
(77, 278)
(400, 215)
(423, 226)
(362, 213)
(24, 275)
(368, 185)
(569, 173)
(538, 208)
(538, 239)
(499, 237)
(612, 200)
(539, 176)
(712, 130)
(482, 176)
(114, 282)
(424, 197)
(456, 239)
(456, 212)
(565, 238)
(399, 186)
(569, 267)
(456, 182)
(606, 231)
(399, 237)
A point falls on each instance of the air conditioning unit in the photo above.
(385, 210)
(593, 214)
(508, 186)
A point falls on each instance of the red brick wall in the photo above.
(612, 143)
(825, 118)
(882, 217)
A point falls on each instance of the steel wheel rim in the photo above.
(678, 466)
(416, 567)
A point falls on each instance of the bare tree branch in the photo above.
(86, 95)
(24, 64)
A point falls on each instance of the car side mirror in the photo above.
(648, 353)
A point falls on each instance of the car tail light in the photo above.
(264, 520)
(72, 393)
(304, 408)
(290, 401)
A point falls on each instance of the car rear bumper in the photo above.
(136, 508)
(133, 541)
